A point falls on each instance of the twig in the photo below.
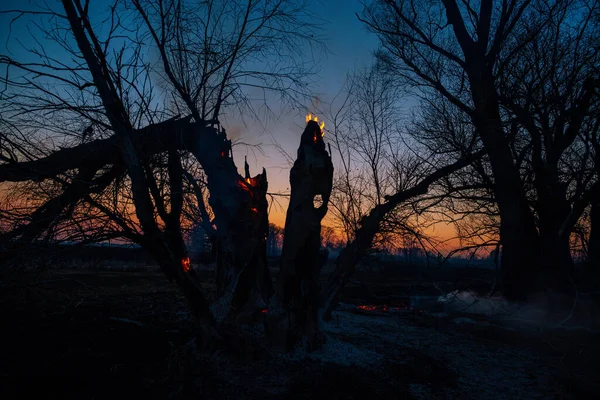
(127, 321)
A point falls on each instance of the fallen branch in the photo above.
(127, 321)
(151, 140)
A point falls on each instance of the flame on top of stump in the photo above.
(310, 117)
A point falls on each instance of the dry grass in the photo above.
(129, 333)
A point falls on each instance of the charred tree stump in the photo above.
(293, 311)
(247, 274)
(240, 207)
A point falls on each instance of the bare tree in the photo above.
(383, 175)
(275, 240)
(207, 60)
(373, 157)
(461, 51)
(550, 88)
(464, 199)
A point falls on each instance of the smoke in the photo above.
(541, 311)
(464, 301)
(235, 131)
(316, 102)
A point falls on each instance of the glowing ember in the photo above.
(246, 184)
(385, 308)
(222, 154)
(186, 264)
(367, 308)
(264, 311)
(254, 209)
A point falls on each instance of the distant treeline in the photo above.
(58, 252)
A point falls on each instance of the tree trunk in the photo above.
(172, 257)
(247, 244)
(293, 311)
(556, 263)
(240, 208)
(345, 264)
(168, 246)
(594, 241)
(518, 233)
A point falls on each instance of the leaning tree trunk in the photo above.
(345, 264)
(293, 311)
(594, 241)
(168, 246)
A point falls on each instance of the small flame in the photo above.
(186, 264)
(310, 117)
(246, 184)
(254, 209)
(393, 309)
(367, 308)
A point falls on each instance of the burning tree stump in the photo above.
(242, 265)
(293, 311)
(240, 207)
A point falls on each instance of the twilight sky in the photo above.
(349, 47)
(348, 44)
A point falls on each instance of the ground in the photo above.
(129, 334)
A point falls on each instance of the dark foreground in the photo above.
(129, 335)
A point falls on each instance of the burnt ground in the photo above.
(129, 334)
